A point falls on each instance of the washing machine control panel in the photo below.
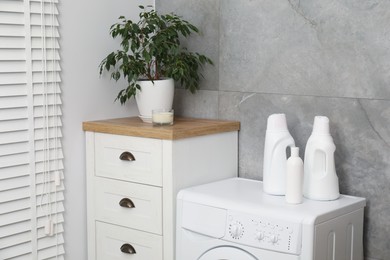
(263, 232)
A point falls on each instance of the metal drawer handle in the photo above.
(128, 249)
(127, 156)
(126, 203)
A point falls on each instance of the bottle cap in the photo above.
(277, 122)
(321, 125)
(294, 151)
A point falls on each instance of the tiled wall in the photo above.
(302, 58)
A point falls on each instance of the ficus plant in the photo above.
(151, 50)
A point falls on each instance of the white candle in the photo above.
(162, 118)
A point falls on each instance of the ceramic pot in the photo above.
(154, 95)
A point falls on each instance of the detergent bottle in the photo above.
(294, 178)
(277, 140)
(320, 178)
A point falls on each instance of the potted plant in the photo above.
(151, 58)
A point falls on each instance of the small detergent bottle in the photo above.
(277, 139)
(320, 179)
(294, 178)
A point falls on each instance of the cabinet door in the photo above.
(129, 158)
(129, 204)
(119, 243)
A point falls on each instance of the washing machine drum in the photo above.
(227, 253)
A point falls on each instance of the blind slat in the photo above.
(13, 78)
(57, 218)
(12, 102)
(17, 250)
(15, 217)
(8, 149)
(14, 159)
(46, 1)
(51, 43)
(16, 194)
(11, 30)
(40, 144)
(40, 111)
(51, 252)
(50, 66)
(40, 134)
(14, 183)
(37, 9)
(9, 42)
(13, 113)
(14, 137)
(24, 226)
(13, 206)
(60, 257)
(51, 88)
(14, 171)
(50, 54)
(13, 125)
(16, 239)
(17, 228)
(46, 241)
(12, 54)
(50, 77)
(12, 66)
(12, 6)
(11, 18)
(54, 196)
(13, 90)
(36, 19)
(47, 32)
(55, 209)
(40, 155)
(52, 121)
(53, 166)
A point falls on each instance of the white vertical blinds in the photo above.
(31, 167)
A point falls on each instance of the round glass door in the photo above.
(227, 253)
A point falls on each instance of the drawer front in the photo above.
(110, 239)
(129, 204)
(146, 166)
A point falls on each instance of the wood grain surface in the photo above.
(182, 127)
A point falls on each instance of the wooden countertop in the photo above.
(182, 127)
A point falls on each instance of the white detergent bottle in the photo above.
(277, 139)
(294, 178)
(320, 179)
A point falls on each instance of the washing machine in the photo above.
(234, 219)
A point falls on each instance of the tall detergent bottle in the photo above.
(320, 178)
(277, 139)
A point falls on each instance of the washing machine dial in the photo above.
(236, 230)
(260, 236)
(273, 239)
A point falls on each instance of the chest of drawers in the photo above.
(134, 171)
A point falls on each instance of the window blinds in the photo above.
(31, 177)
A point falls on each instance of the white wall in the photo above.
(85, 42)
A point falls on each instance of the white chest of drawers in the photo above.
(134, 171)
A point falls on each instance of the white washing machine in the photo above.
(234, 219)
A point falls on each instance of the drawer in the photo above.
(110, 239)
(147, 211)
(146, 166)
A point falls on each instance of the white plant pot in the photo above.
(154, 96)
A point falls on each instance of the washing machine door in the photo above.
(227, 253)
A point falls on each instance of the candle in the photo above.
(161, 117)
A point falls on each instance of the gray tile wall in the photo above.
(302, 58)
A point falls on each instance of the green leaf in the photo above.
(151, 48)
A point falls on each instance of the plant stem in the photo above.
(156, 68)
